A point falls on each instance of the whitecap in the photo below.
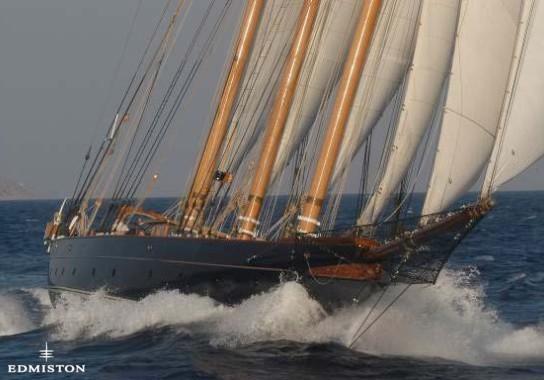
(484, 258)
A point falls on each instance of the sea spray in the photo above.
(13, 316)
(448, 320)
(75, 317)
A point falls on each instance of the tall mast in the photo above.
(203, 178)
(332, 141)
(278, 117)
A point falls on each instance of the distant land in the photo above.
(12, 190)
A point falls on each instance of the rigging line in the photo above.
(177, 103)
(380, 315)
(137, 125)
(370, 311)
(253, 76)
(108, 142)
(141, 108)
(142, 58)
(386, 22)
(213, 107)
(153, 125)
(310, 62)
(134, 135)
(312, 138)
(166, 124)
(263, 26)
(119, 64)
(115, 132)
(143, 143)
(130, 84)
(160, 65)
(82, 171)
(233, 159)
(263, 103)
(398, 100)
(426, 149)
(108, 96)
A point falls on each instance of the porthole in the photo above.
(113, 272)
(62, 272)
(93, 272)
(74, 272)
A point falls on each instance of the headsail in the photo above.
(481, 65)
(520, 142)
(425, 78)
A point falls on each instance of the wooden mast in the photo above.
(203, 178)
(278, 117)
(347, 88)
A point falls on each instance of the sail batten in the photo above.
(520, 140)
(477, 85)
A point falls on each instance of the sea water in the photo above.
(484, 319)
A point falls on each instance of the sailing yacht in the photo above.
(312, 90)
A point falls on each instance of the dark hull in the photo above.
(229, 271)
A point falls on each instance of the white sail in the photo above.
(481, 65)
(425, 78)
(330, 39)
(520, 142)
(385, 68)
(271, 46)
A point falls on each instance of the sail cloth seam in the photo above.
(476, 123)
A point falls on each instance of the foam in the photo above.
(13, 316)
(448, 320)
